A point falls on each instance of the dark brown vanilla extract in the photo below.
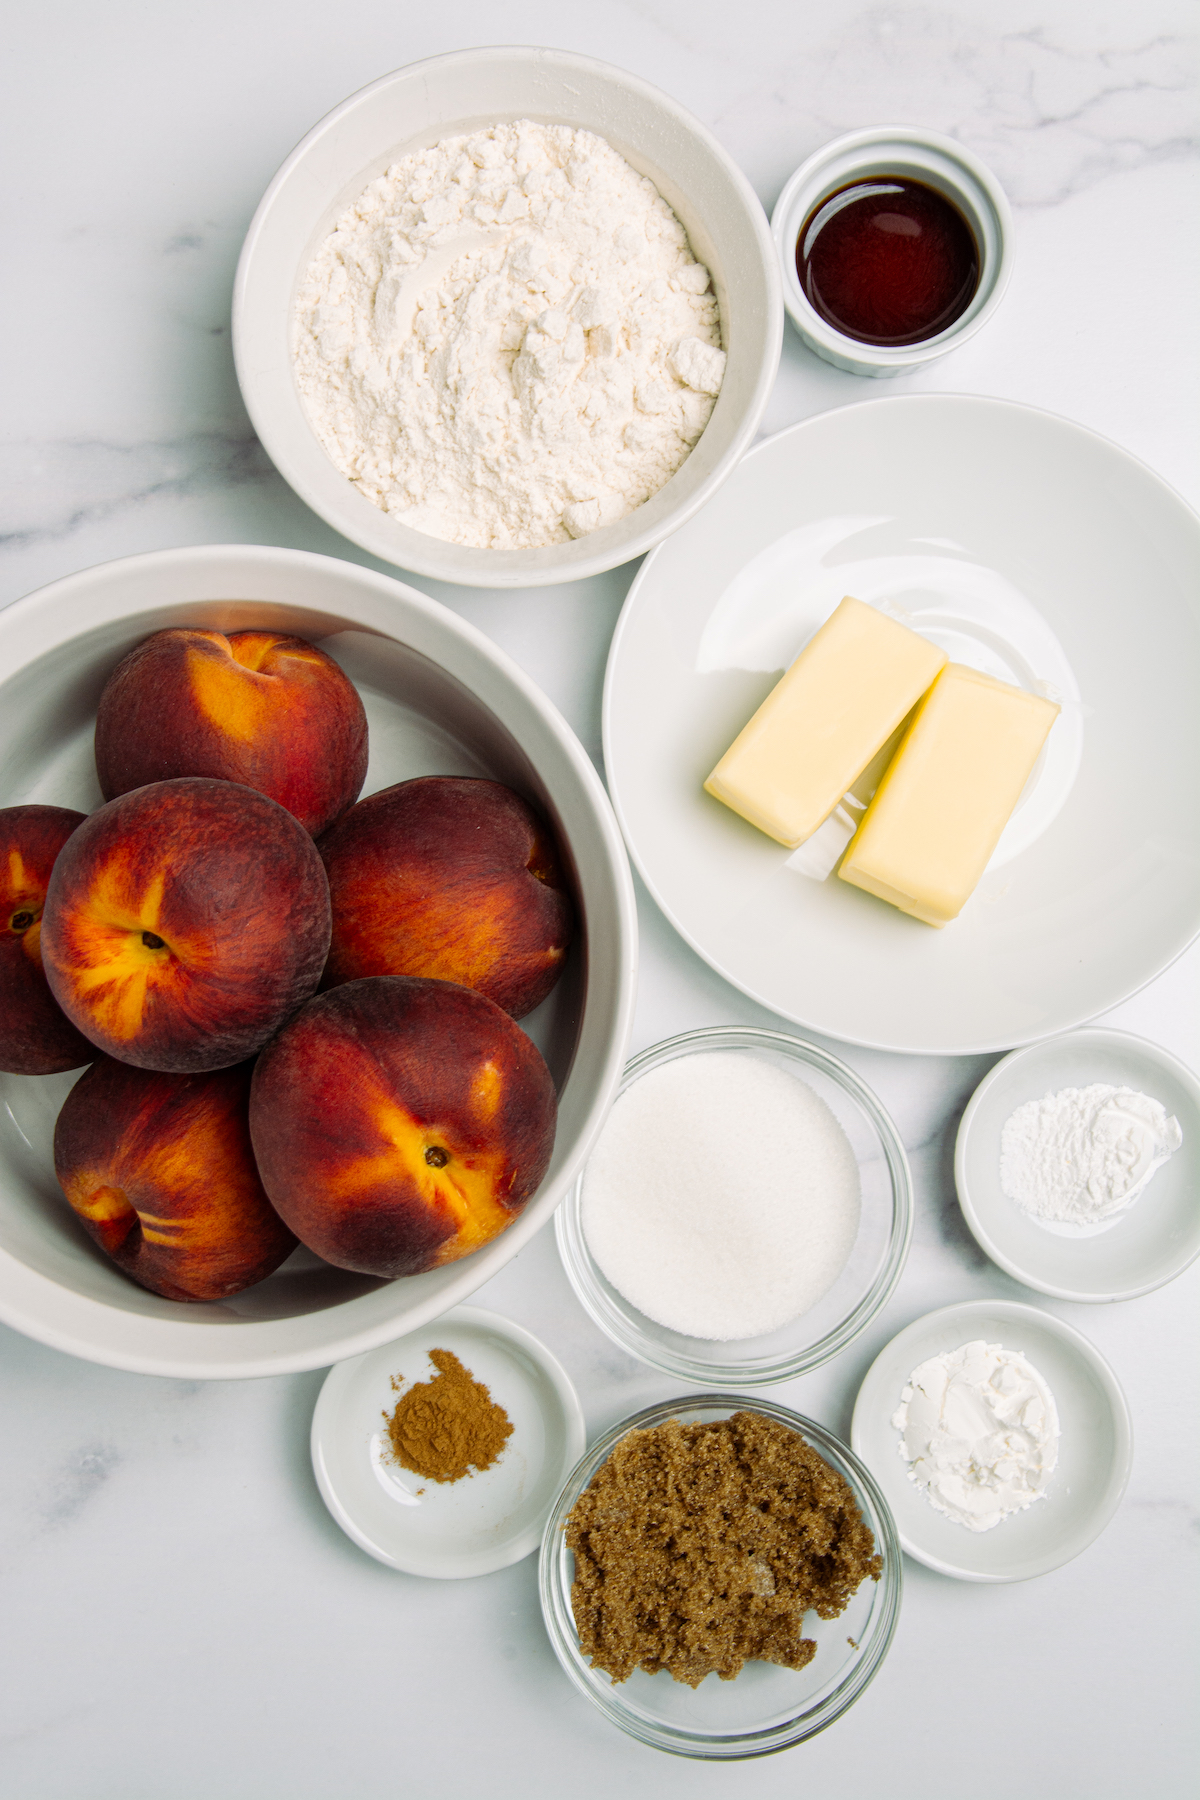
(888, 261)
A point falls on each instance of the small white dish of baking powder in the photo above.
(1141, 1225)
(1078, 1159)
(1080, 1487)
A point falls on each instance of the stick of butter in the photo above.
(948, 793)
(819, 727)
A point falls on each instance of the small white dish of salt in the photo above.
(745, 1212)
(953, 1477)
(1078, 1166)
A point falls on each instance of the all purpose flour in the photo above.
(506, 340)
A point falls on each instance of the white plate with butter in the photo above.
(1027, 548)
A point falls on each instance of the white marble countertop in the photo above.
(181, 1618)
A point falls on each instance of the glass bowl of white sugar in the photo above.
(745, 1213)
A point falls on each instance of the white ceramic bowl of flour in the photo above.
(417, 107)
(1137, 1249)
(448, 1530)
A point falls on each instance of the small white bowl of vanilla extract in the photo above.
(895, 245)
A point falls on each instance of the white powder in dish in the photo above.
(979, 1431)
(1081, 1156)
(506, 341)
(723, 1197)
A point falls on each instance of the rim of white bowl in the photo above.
(883, 358)
(582, 1269)
(44, 1310)
(504, 568)
(1185, 1076)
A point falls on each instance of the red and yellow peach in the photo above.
(453, 879)
(160, 1170)
(400, 1123)
(184, 922)
(257, 707)
(36, 1037)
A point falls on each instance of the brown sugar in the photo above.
(445, 1427)
(701, 1547)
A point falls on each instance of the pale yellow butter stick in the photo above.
(948, 793)
(819, 727)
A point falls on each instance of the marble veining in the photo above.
(1052, 112)
(58, 487)
(84, 1474)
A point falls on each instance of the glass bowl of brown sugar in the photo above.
(778, 1518)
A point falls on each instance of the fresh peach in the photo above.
(184, 922)
(160, 1170)
(270, 711)
(450, 878)
(399, 1124)
(36, 1037)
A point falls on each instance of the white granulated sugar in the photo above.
(723, 1196)
(1081, 1156)
(506, 341)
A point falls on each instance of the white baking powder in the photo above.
(979, 1431)
(506, 341)
(1083, 1155)
(723, 1197)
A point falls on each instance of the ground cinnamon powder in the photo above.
(447, 1426)
(701, 1547)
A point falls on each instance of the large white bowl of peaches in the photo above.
(317, 962)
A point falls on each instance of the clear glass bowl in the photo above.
(766, 1708)
(861, 1290)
